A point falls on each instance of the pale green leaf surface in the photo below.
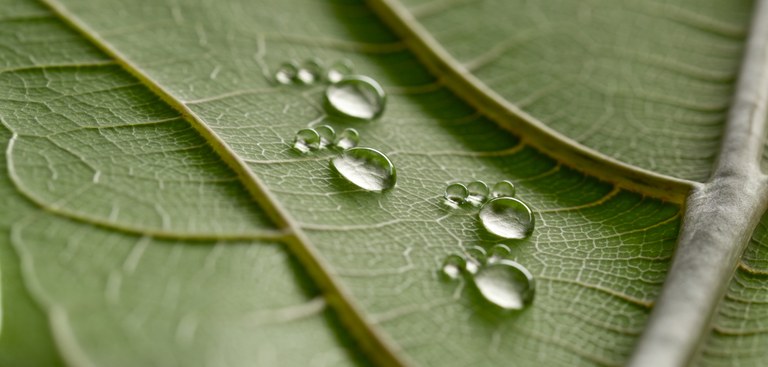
(645, 82)
(94, 168)
(599, 253)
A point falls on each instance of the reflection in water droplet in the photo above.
(310, 72)
(348, 138)
(327, 135)
(455, 194)
(305, 140)
(503, 189)
(338, 70)
(477, 193)
(507, 218)
(453, 266)
(286, 73)
(498, 252)
(476, 257)
(366, 168)
(357, 97)
(506, 284)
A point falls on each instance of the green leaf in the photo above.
(160, 217)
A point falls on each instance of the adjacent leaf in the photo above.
(739, 336)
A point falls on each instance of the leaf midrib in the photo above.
(377, 345)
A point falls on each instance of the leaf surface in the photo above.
(203, 185)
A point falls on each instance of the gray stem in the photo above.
(719, 220)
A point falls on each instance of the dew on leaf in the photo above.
(503, 189)
(306, 140)
(327, 135)
(453, 266)
(339, 70)
(356, 97)
(455, 194)
(311, 71)
(506, 284)
(507, 218)
(286, 73)
(366, 168)
(348, 138)
(477, 193)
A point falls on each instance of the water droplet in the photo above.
(476, 257)
(455, 194)
(507, 218)
(366, 168)
(310, 72)
(348, 138)
(506, 284)
(306, 139)
(453, 266)
(286, 73)
(503, 189)
(327, 135)
(478, 192)
(498, 252)
(357, 97)
(338, 70)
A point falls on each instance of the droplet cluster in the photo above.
(324, 136)
(477, 193)
(499, 280)
(312, 71)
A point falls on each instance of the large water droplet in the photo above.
(306, 139)
(507, 218)
(455, 194)
(286, 73)
(338, 70)
(310, 72)
(327, 135)
(506, 284)
(503, 189)
(453, 266)
(348, 138)
(357, 97)
(366, 168)
(477, 193)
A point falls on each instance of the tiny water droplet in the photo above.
(498, 252)
(327, 135)
(476, 257)
(357, 97)
(306, 140)
(453, 266)
(338, 70)
(506, 284)
(286, 73)
(477, 193)
(503, 189)
(455, 194)
(310, 72)
(507, 218)
(348, 138)
(366, 168)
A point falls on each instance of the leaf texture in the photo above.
(156, 195)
